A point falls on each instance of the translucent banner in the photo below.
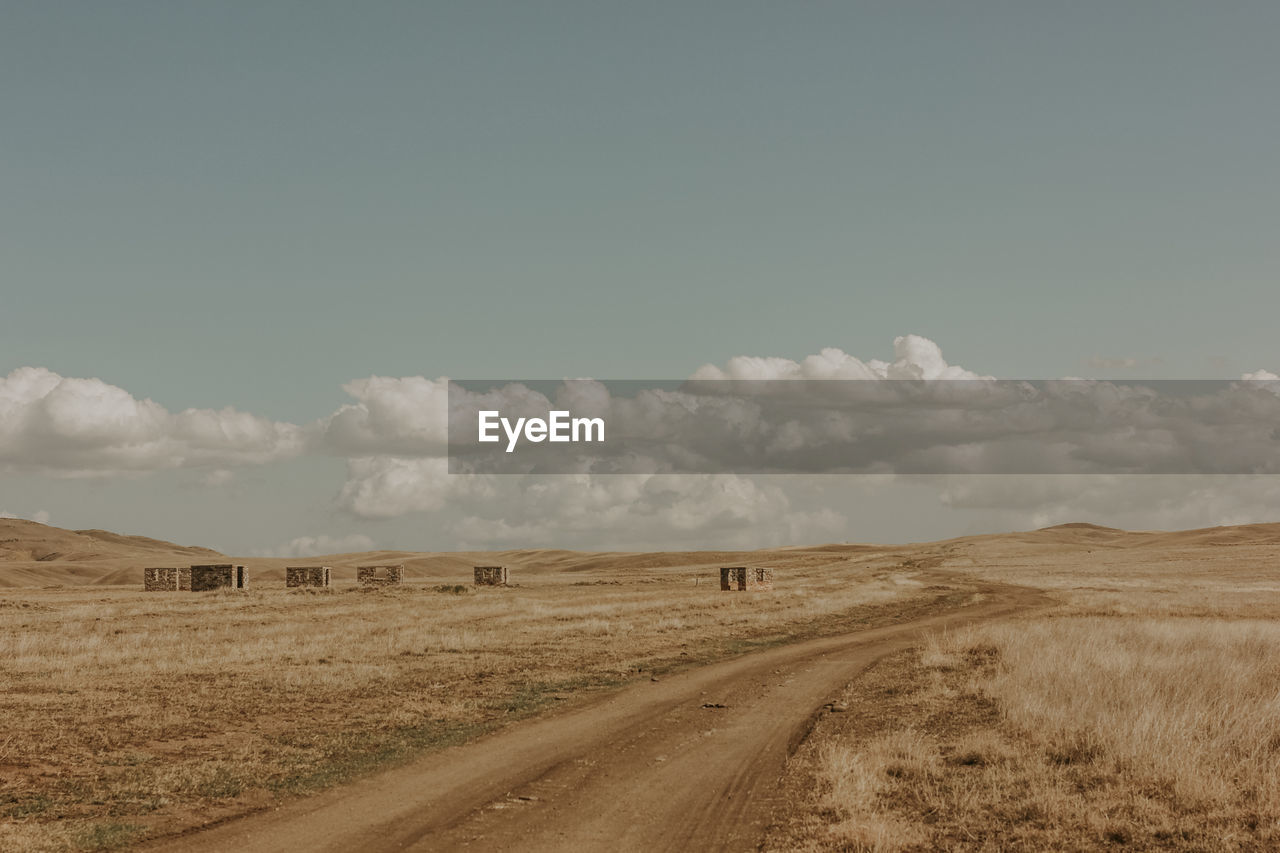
(1065, 426)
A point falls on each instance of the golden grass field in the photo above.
(1142, 714)
(130, 713)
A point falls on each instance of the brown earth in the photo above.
(34, 554)
(645, 767)
(687, 762)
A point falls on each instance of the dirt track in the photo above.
(656, 766)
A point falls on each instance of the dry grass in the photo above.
(128, 713)
(1143, 713)
(1072, 733)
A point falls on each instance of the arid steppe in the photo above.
(927, 696)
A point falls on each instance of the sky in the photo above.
(259, 206)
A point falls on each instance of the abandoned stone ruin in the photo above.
(166, 579)
(379, 575)
(194, 578)
(491, 575)
(219, 576)
(740, 578)
(295, 576)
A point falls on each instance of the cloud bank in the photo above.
(393, 439)
(86, 427)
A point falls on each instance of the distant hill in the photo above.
(36, 555)
(33, 554)
(1084, 536)
(29, 541)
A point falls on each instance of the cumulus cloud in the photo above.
(856, 426)
(648, 511)
(394, 437)
(617, 511)
(1080, 426)
(74, 426)
(390, 486)
(404, 416)
(914, 358)
(734, 418)
(315, 546)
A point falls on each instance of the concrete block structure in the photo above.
(166, 579)
(741, 578)
(295, 576)
(218, 576)
(491, 575)
(379, 575)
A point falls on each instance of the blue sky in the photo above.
(250, 204)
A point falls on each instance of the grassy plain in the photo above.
(1142, 714)
(129, 714)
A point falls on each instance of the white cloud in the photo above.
(645, 509)
(405, 416)
(394, 437)
(617, 511)
(87, 427)
(983, 427)
(390, 486)
(315, 546)
(914, 358)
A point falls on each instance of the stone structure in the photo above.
(219, 576)
(306, 576)
(379, 575)
(491, 575)
(166, 579)
(745, 578)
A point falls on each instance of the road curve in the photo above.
(689, 762)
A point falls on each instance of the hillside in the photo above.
(33, 554)
(29, 541)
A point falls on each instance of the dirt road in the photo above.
(689, 762)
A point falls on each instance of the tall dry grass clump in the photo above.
(1061, 733)
(1189, 704)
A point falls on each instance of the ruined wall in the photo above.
(166, 579)
(740, 578)
(219, 576)
(733, 577)
(491, 575)
(379, 575)
(159, 580)
(306, 576)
